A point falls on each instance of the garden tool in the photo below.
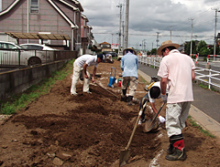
(106, 90)
(149, 125)
(125, 154)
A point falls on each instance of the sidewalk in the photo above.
(205, 121)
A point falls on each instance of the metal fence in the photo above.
(10, 58)
(208, 76)
(153, 61)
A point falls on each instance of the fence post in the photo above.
(196, 59)
(210, 74)
(207, 65)
(154, 62)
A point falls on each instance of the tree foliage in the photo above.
(202, 48)
(188, 46)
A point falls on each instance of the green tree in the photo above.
(154, 51)
(202, 48)
(188, 46)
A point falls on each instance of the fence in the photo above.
(150, 60)
(208, 76)
(204, 75)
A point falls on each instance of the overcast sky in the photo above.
(147, 17)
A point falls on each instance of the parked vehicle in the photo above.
(34, 46)
(45, 51)
(120, 55)
(13, 55)
(114, 54)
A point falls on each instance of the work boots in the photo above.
(130, 103)
(170, 149)
(123, 96)
(176, 149)
(177, 155)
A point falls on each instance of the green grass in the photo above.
(194, 124)
(18, 102)
(141, 79)
(206, 87)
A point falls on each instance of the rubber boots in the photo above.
(130, 98)
(123, 96)
(176, 149)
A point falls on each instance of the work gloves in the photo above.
(164, 98)
(161, 119)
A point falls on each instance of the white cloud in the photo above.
(147, 17)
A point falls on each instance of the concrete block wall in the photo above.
(17, 81)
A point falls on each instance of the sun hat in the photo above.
(166, 44)
(100, 55)
(129, 49)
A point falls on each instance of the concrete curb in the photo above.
(205, 121)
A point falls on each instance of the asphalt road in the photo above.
(206, 100)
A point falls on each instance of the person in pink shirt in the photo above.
(176, 70)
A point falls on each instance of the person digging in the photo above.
(129, 67)
(153, 93)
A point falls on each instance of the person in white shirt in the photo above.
(177, 70)
(153, 93)
(80, 65)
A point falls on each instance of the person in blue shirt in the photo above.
(129, 67)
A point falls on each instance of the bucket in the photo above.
(119, 83)
(112, 77)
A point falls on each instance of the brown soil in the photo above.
(91, 129)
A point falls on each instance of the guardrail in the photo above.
(150, 60)
(208, 76)
(204, 75)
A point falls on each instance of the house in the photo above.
(54, 22)
(86, 34)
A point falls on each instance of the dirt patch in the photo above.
(91, 129)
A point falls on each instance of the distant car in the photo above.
(13, 55)
(120, 55)
(114, 54)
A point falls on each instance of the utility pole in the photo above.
(171, 32)
(119, 39)
(112, 38)
(191, 36)
(214, 53)
(126, 24)
(157, 39)
(123, 35)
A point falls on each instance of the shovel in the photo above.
(149, 125)
(106, 90)
(125, 154)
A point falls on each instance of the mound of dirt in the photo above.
(90, 130)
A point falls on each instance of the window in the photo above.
(34, 8)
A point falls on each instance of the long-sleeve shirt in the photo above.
(129, 65)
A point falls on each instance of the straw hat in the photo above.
(166, 44)
(127, 49)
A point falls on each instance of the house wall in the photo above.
(84, 29)
(47, 20)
